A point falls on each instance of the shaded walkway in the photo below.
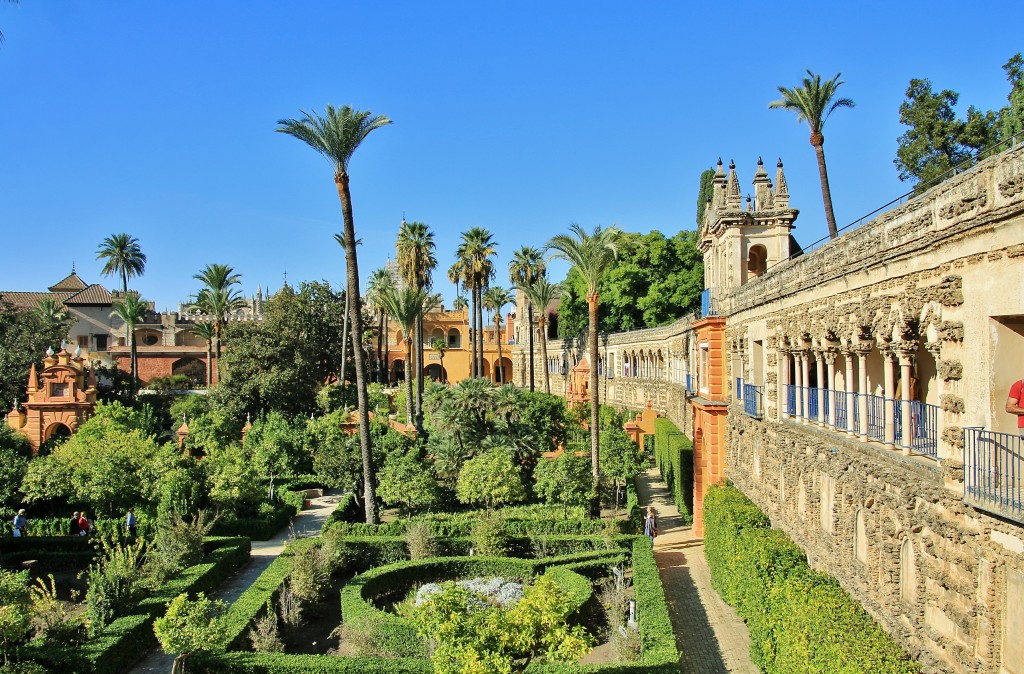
(711, 637)
(306, 523)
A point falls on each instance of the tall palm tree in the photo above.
(475, 252)
(415, 247)
(526, 267)
(495, 299)
(336, 135)
(340, 238)
(541, 293)
(132, 310)
(379, 281)
(592, 255)
(207, 330)
(439, 346)
(459, 275)
(124, 257)
(218, 298)
(404, 305)
(813, 102)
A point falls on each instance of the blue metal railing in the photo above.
(790, 392)
(840, 415)
(739, 388)
(708, 304)
(994, 472)
(689, 383)
(753, 400)
(876, 417)
(924, 424)
(811, 395)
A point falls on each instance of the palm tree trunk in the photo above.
(529, 319)
(419, 374)
(826, 193)
(209, 363)
(134, 357)
(544, 355)
(595, 431)
(497, 333)
(380, 349)
(472, 331)
(344, 349)
(443, 376)
(387, 350)
(409, 418)
(362, 396)
(480, 327)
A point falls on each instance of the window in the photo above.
(150, 340)
(702, 372)
(83, 341)
(59, 390)
(101, 342)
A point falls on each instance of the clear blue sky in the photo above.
(158, 118)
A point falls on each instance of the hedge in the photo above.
(347, 510)
(518, 522)
(673, 454)
(800, 620)
(261, 528)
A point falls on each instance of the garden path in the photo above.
(306, 523)
(711, 638)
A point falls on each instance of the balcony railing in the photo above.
(833, 409)
(994, 472)
(708, 304)
(753, 400)
(689, 383)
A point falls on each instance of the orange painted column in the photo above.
(710, 414)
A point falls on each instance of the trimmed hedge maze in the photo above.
(579, 552)
(800, 621)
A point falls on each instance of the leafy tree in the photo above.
(564, 480)
(937, 140)
(704, 194)
(545, 414)
(813, 102)
(15, 612)
(277, 449)
(191, 626)
(591, 256)
(542, 293)
(1011, 117)
(281, 362)
(491, 479)
(108, 463)
(407, 483)
(654, 281)
(335, 453)
(526, 269)
(472, 635)
(336, 135)
(122, 256)
(621, 458)
(51, 313)
(235, 484)
(24, 339)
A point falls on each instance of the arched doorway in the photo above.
(502, 372)
(55, 434)
(435, 372)
(192, 368)
(398, 370)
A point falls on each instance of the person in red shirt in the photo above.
(1015, 404)
(83, 525)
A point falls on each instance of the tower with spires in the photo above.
(742, 239)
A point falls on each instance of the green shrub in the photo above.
(799, 620)
(489, 536)
(673, 454)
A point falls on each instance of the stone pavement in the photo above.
(710, 636)
(306, 523)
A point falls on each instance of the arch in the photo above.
(435, 372)
(398, 370)
(908, 572)
(503, 371)
(860, 538)
(57, 430)
(193, 368)
(757, 261)
(454, 339)
(486, 374)
(436, 334)
(398, 337)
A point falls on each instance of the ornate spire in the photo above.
(733, 199)
(781, 189)
(762, 188)
(33, 379)
(719, 187)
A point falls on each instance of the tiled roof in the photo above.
(70, 284)
(94, 294)
(31, 300)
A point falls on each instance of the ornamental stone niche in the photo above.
(60, 398)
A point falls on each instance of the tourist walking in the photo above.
(83, 525)
(73, 524)
(20, 524)
(650, 524)
(131, 523)
(1015, 404)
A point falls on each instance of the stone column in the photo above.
(862, 351)
(819, 373)
(830, 364)
(935, 348)
(804, 376)
(889, 395)
(906, 360)
(848, 389)
(782, 364)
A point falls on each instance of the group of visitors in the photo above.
(79, 525)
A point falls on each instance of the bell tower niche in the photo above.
(60, 398)
(742, 239)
